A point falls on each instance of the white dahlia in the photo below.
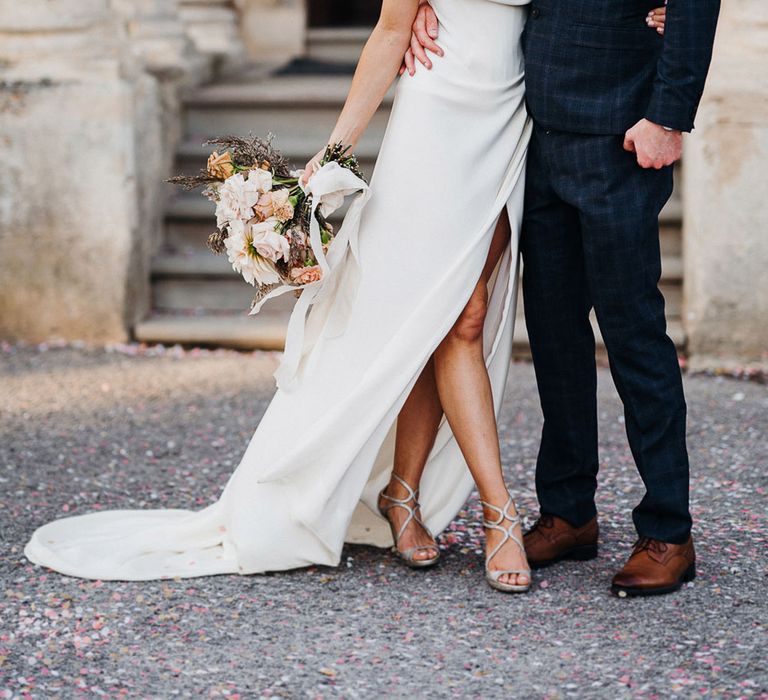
(260, 180)
(255, 268)
(237, 197)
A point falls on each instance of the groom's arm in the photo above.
(684, 63)
(681, 72)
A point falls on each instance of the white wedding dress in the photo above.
(453, 157)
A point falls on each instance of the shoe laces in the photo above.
(650, 544)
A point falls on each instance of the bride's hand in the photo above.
(311, 167)
(657, 19)
(425, 30)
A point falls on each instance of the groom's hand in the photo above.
(425, 30)
(654, 146)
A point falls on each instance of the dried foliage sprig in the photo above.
(254, 152)
(191, 182)
(247, 153)
(216, 242)
(263, 290)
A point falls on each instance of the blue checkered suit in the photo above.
(590, 239)
(594, 67)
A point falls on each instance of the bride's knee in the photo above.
(469, 326)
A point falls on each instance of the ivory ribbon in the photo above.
(329, 186)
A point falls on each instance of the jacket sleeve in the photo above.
(682, 68)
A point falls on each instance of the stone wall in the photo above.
(214, 27)
(726, 198)
(89, 114)
(274, 31)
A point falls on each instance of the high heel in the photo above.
(407, 555)
(492, 577)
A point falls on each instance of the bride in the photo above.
(348, 451)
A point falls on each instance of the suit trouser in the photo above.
(591, 240)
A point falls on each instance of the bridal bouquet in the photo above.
(274, 232)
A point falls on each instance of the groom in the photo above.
(610, 99)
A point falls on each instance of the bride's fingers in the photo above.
(309, 171)
(430, 20)
(657, 19)
(410, 65)
(425, 29)
(419, 52)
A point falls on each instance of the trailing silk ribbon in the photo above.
(328, 187)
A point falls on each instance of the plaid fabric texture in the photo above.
(594, 67)
(590, 239)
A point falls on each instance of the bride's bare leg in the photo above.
(417, 427)
(465, 393)
(467, 387)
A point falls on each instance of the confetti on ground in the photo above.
(139, 427)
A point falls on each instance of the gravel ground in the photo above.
(85, 429)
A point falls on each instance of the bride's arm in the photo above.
(378, 66)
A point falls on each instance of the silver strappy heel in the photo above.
(498, 524)
(408, 555)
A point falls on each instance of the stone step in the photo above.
(281, 105)
(193, 207)
(336, 44)
(260, 332)
(671, 239)
(316, 125)
(291, 91)
(266, 331)
(199, 283)
(197, 294)
(190, 220)
(202, 263)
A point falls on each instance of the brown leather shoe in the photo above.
(553, 539)
(655, 567)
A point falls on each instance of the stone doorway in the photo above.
(343, 13)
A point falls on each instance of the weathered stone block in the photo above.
(726, 207)
(89, 119)
(68, 215)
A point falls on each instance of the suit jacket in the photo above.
(593, 66)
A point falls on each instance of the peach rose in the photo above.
(264, 209)
(306, 275)
(267, 242)
(281, 206)
(221, 165)
(275, 203)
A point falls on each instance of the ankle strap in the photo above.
(413, 494)
(502, 514)
(506, 530)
